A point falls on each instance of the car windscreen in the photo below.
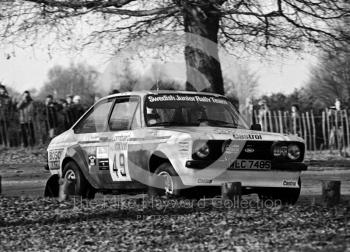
(191, 110)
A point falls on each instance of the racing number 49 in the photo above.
(121, 165)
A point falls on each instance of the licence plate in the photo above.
(251, 164)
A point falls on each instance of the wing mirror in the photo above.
(256, 127)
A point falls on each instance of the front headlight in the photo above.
(280, 151)
(201, 149)
(294, 151)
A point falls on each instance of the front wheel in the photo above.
(77, 182)
(165, 181)
(281, 195)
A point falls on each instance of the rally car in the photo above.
(173, 143)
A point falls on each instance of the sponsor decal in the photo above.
(249, 150)
(121, 138)
(90, 150)
(55, 155)
(232, 149)
(287, 182)
(247, 136)
(102, 152)
(204, 181)
(178, 97)
(92, 160)
(121, 146)
(54, 165)
(222, 131)
(103, 164)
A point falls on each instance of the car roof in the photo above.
(148, 92)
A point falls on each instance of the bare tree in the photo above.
(330, 79)
(77, 79)
(278, 24)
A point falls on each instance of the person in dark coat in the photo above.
(26, 118)
(5, 106)
(65, 114)
(77, 108)
(69, 111)
(51, 116)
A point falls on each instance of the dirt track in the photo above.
(29, 180)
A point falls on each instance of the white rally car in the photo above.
(173, 142)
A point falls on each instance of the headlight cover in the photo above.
(294, 152)
(201, 149)
(280, 151)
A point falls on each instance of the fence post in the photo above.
(309, 130)
(313, 129)
(256, 118)
(270, 121)
(294, 125)
(324, 128)
(336, 129)
(285, 116)
(347, 128)
(304, 130)
(275, 118)
(343, 130)
(280, 121)
(265, 120)
(328, 126)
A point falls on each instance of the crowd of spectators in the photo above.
(57, 115)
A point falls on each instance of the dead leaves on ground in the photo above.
(46, 224)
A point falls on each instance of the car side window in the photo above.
(96, 120)
(122, 116)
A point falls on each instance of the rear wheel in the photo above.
(77, 184)
(283, 195)
(165, 181)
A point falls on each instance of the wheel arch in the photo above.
(80, 164)
(156, 159)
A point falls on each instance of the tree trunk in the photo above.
(201, 49)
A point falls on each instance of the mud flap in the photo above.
(52, 187)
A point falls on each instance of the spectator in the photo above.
(5, 106)
(69, 99)
(262, 115)
(51, 116)
(26, 117)
(336, 136)
(65, 112)
(295, 123)
(77, 109)
(68, 111)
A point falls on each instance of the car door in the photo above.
(124, 120)
(93, 139)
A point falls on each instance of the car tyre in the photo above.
(172, 183)
(77, 182)
(285, 196)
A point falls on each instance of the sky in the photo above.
(28, 69)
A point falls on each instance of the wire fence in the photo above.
(325, 130)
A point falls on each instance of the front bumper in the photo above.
(202, 164)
